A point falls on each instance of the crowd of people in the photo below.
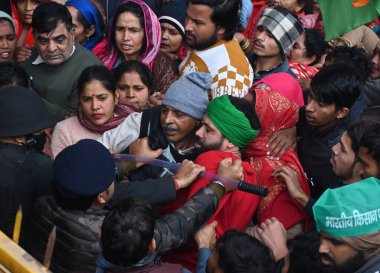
(126, 126)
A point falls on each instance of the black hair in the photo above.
(246, 107)
(99, 73)
(13, 74)
(47, 16)
(356, 57)
(225, 13)
(314, 44)
(336, 84)
(308, 7)
(127, 232)
(304, 253)
(370, 137)
(136, 10)
(134, 66)
(239, 252)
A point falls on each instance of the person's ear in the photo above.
(117, 96)
(90, 31)
(310, 60)
(299, 7)
(152, 246)
(102, 197)
(220, 31)
(342, 113)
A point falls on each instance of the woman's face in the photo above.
(132, 90)
(97, 102)
(79, 29)
(129, 35)
(171, 39)
(25, 9)
(7, 41)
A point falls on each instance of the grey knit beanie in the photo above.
(189, 94)
(283, 25)
(4, 15)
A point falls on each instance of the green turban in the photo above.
(351, 210)
(232, 123)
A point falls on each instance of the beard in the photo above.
(209, 147)
(202, 44)
(350, 266)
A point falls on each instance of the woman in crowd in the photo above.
(133, 83)
(98, 110)
(275, 112)
(88, 22)
(172, 20)
(22, 12)
(135, 34)
(7, 38)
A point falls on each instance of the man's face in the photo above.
(201, 32)
(209, 137)
(178, 127)
(339, 257)
(319, 114)
(265, 44)
(375, 72)
(55, 47)
(343, 160)
(370, 166)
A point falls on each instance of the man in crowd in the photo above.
(323, 121)
(348, 221)
(83, 184)
(276, 32)
(25, 172)
(222, 135)
(171, 126)
(210, 27)
(56, 61)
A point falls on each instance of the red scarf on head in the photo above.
(121, 112)
(276, 112)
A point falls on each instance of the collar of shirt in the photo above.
(39, 59)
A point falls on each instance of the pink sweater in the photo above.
(69, 132)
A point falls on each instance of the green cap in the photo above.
(351, 210)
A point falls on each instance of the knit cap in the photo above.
(189, 94)
(4, 15)
(283, 25)
(351, 210)
(174, 13)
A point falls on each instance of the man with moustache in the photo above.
(348, 221)
(210, 27)
(276, 32)
(56, 61)
(170, 126)
(222, 135)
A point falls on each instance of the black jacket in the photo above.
(24, 176)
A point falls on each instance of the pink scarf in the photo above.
(284, 84)
(121, 112)
(108, 52)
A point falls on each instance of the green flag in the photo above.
(339, 16)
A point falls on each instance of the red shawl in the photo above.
(121, 112)
(234, 212)
(276, 112)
